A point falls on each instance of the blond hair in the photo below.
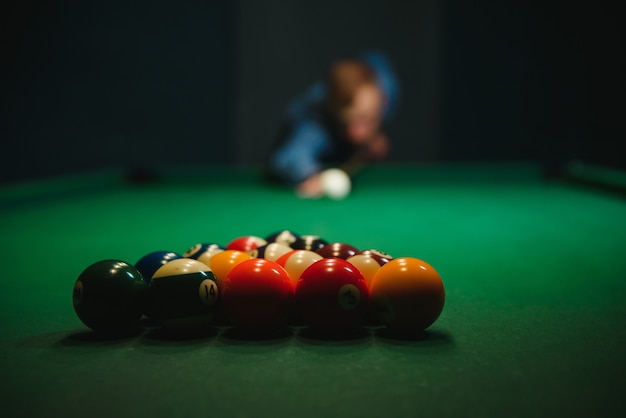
(344, 78)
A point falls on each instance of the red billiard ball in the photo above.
(257, 294)
(337, 250)
(331, 294)
(108, 297)
(246, 243)
(408, 294)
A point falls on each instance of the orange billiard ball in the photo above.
(223, 262)
(408, 294)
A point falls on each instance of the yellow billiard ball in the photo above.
(408, 294)
(296, 261)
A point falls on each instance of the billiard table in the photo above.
(533, 324)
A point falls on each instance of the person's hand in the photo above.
(310, 188)
(375, 149)
(378, 147)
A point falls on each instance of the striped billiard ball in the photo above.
(203, 249)
(184, 295)
(247, 243)
(151, 262)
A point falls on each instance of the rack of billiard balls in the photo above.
(260, 284)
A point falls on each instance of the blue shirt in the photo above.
(309, 143)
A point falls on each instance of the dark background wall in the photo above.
(89, 85)
(151, 83)
(535, 79)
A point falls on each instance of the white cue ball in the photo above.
(336, 183)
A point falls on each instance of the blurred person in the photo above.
(337, 122)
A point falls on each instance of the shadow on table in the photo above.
(435, 339)
(225, 336)
(163, 335)
(318, 336)
(95, 339)
(244, 336)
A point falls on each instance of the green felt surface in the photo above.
(535, 275)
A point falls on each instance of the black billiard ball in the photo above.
(285, 236)
(184, 295)
(108, 297)
(151, 262)
(309, 242)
